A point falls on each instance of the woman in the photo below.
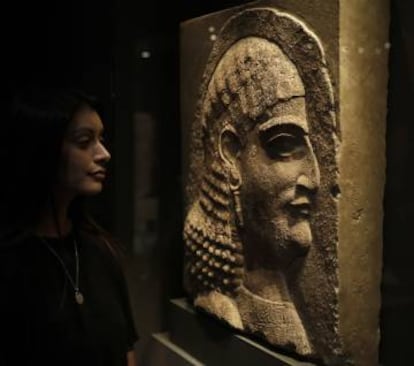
(64, 298)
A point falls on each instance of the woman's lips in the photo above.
(99, 175)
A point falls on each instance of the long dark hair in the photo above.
(30, 154)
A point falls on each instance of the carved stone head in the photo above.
(248, 228)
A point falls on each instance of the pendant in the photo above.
(79, 297)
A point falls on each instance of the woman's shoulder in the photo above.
(101, 258)
(15, 242)
(10, 238)
(101, 245)
(15, 253)
(93, 239)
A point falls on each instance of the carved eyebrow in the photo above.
(287, 120)
(270, 130)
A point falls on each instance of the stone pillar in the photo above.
(284, 109)
(363, 71)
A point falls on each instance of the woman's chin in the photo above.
(90, 189)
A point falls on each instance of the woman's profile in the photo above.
(64, 297)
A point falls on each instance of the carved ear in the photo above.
(229, 147)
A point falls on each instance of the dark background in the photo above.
(98, 46)
(397, 317)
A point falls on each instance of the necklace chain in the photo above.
(75, 284)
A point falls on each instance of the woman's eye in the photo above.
(84, 141)
(285, 145)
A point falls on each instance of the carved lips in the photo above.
(300, 207)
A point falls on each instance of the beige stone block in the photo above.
(284, 107)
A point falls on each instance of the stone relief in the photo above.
(261, 216)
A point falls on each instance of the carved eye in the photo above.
(285, 145)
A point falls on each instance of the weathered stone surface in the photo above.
(270, 192)
(363, 107)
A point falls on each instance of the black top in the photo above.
(40, 321)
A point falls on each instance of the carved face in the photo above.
(279, 175)
(267, 151)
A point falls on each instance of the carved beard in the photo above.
(294, 239)
(274, 243)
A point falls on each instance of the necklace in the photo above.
(75, 284)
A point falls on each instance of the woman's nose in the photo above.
(102, 153)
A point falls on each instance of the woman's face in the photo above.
(82, 169)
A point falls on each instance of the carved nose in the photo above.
(310, 177)
(306, 182)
